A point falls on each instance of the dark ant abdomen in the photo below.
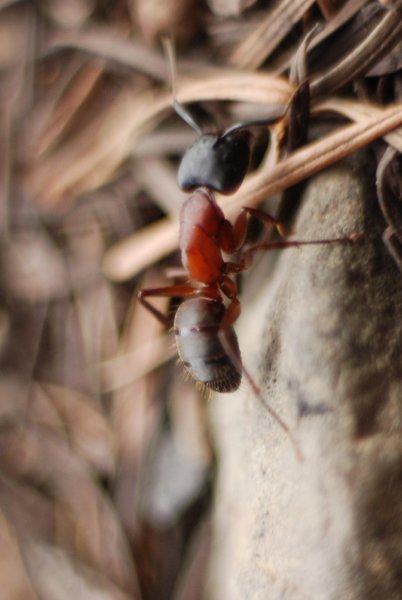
(197, 326)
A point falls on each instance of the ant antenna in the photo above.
(298, 75)
(276, 116)
(169, 50)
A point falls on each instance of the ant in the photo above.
(205, 338)
(203, 323)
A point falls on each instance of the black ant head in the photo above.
(218, 162)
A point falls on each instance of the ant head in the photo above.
(218, 162)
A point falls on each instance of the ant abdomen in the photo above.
(198, 331)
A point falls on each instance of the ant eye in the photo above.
(218, 163)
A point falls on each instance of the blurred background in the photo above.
(107, 465)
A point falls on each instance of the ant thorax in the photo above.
(201, 222)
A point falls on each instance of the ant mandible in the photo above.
(203, 323)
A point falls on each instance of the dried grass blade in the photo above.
(315, 156)
(358, 112)
(102, 42)
(236, 86)
(344, 14)
(62, 114)
(380, 40)
(141, 250)
(15, 580)
(96, 152)
(252, 51)
(67, 411)
(159, 179)
(143, 344)
(125, 369)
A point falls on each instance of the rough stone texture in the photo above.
(321, 331)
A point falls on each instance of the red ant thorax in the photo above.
(201, 222)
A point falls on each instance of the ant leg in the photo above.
(233, 237)
(164, 292)
(247, 255)
(183, 291)
(231, 315)
(275, 115)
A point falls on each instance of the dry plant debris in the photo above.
(105, 456)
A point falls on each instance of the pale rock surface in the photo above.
(321, 331)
